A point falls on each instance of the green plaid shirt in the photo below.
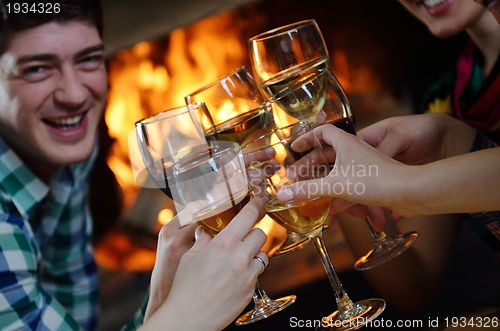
(48, 277)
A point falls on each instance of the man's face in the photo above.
(52, 93)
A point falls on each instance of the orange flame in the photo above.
(147, 79)
(359, 78)
(142, 85)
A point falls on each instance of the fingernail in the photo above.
(198, 232)
(270, 152)
(285, 194)
(300, 145)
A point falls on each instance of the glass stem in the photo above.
(260, 297)
(378, 237)
(343, 301)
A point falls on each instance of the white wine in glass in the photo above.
(241, 128)
(303, 218)
(286, 166)
(335, 110)
(283, 57)
(234, 108)
(294, 50)
(234, 112)
(288, 78)
(214, 188)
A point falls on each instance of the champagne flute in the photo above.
(281, 56)
(235, 113)
(287, 164)
(221, 192)
(333, 109)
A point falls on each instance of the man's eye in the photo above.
(35, 72)
(91, 62)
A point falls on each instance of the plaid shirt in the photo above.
(48, 277)
(489, 219)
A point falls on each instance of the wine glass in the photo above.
(221, 192)
(282, 55)
(290, 161)
(235, 113)
(320, 99)
(168, 137)
(234, 105)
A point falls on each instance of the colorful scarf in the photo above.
(466, 96)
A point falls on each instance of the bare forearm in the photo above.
(463, 184)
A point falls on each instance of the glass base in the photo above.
(266, 310)
(293, 242)
(386, 250)
(353, 318)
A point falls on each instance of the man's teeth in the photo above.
(433, 3)
(66, 120)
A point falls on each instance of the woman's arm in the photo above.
(465, 183)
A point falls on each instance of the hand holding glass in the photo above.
(214, 188)
(334, 109)
(294, 158)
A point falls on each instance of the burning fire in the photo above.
(354, 79)
(147, 79)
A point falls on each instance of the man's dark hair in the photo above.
(89, 11)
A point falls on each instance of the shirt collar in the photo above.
(26, 190)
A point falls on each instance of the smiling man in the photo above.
(53, 88)
(54, 82)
